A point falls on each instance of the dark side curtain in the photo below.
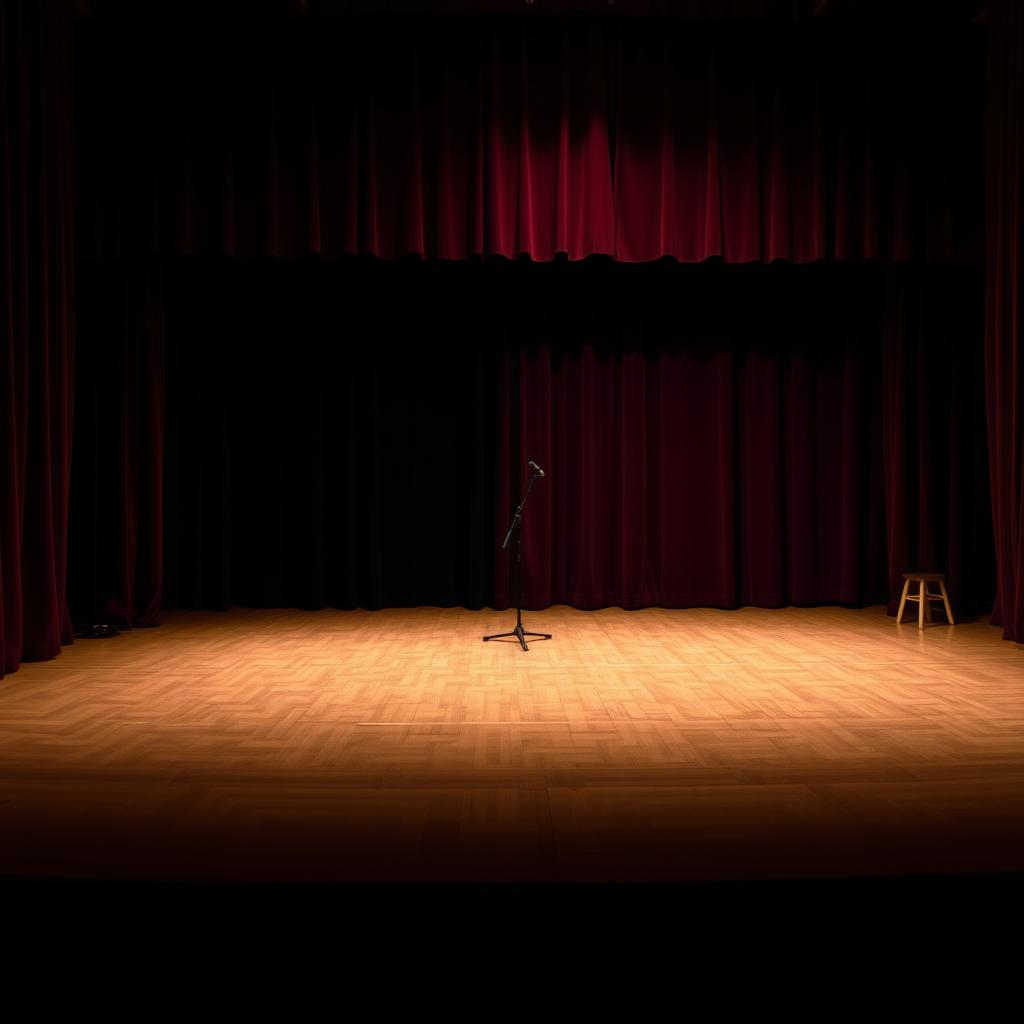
(937, 493)
(330, 435)
(1004, 322)
(115, 572)
(36, 325)
(452, 137)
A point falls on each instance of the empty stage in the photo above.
(656, 745)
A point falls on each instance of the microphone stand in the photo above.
(516, 528)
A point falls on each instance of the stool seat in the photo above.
(924, 596)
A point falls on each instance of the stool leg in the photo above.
(928, 611)
(945, 601)
(903, 600)
(922, 600)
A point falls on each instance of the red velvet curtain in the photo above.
(1004, 321)
(725, 441)
(115, 572)
(730, 463)
(938, 505)
(453, 137)
(719, 438)
(36, 325)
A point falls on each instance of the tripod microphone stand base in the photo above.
(520, 635)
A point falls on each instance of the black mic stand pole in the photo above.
(516, 528)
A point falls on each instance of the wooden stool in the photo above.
(925, 596)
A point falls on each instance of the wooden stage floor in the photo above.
(658, 745)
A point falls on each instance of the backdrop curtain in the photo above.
(36, 325)
(345, 431)
(353, 434)
(453, 137)
(716, 437)
(1004, 322)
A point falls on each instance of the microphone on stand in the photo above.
(515, 530)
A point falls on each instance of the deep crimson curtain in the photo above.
(716, 437)
(938, 502)
(36, 326)
(115, 553)
(1004, 321)
(452, 137)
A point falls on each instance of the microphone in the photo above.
(536, 468)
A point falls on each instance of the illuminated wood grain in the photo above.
(652, 744)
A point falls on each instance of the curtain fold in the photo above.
(1004, 324)
(37, 305)
(115, 545)
(938, 502)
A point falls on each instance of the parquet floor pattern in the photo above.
(395, 745)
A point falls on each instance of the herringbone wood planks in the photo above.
(634, 745)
